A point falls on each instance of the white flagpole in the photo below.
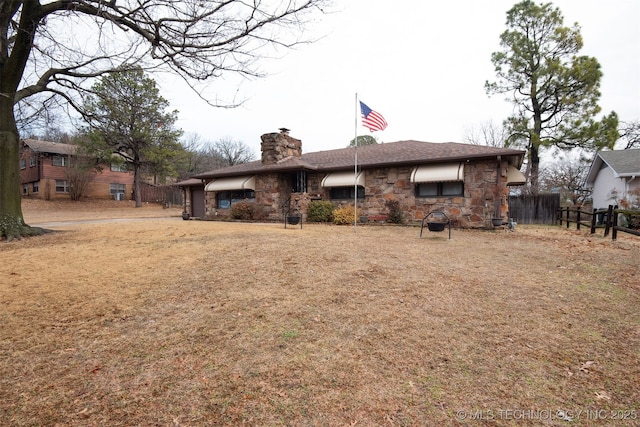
(355, 172)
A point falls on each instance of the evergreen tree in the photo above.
(126, 116)
(555, 91)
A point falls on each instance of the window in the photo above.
(118, 167)
(224, 199)
(23, 164)
(117, 191)
(435, 189)
(62, 186)
(299, 182)
(32, 161)
(346, 193)
(60, 161)
(36, 186)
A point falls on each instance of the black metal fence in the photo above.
(534, 209)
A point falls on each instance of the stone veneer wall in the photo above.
(483, 192)
(272, 192)
(279, 146)
(472, 210)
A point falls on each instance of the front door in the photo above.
(197, 202)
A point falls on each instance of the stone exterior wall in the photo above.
(472, 210)
(272, 191)
(485, 193)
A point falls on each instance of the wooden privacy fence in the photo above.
(165, 194)
(534, 209)
(600, 218)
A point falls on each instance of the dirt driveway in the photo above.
(199, 323)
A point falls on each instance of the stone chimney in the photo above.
(279, 146)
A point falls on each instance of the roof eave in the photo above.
(412, 162)
(263, 170)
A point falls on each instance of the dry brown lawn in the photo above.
(165, 322)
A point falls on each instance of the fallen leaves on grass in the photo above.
(207, 323)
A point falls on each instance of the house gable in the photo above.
(612, 173)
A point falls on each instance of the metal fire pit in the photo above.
(293, 217)
(436, 222)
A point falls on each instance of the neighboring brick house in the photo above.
(44, 173)
(468, 182)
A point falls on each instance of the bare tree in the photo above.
(233, 152)
(630, 132)
(191, 163)
(487, 133)
(80, 172)
(43, 63)
(566, 176)
(201, 156)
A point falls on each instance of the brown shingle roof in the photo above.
(50, 147)
(188, 182)
(374, 155)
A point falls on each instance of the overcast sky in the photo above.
(421, 64)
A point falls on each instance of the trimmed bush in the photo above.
(320, 211)
(344, 215)
(242, 210)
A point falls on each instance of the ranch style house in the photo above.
(469, 183)
(45, 169)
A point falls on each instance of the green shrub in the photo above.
(320, 211)
(242, 210)
(395, 213)
(344, 215)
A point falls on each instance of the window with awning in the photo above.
(446, 172)
(439, 180)
(232, 183)
(343, 179)
(515, 177)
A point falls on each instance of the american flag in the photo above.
(371, 119)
